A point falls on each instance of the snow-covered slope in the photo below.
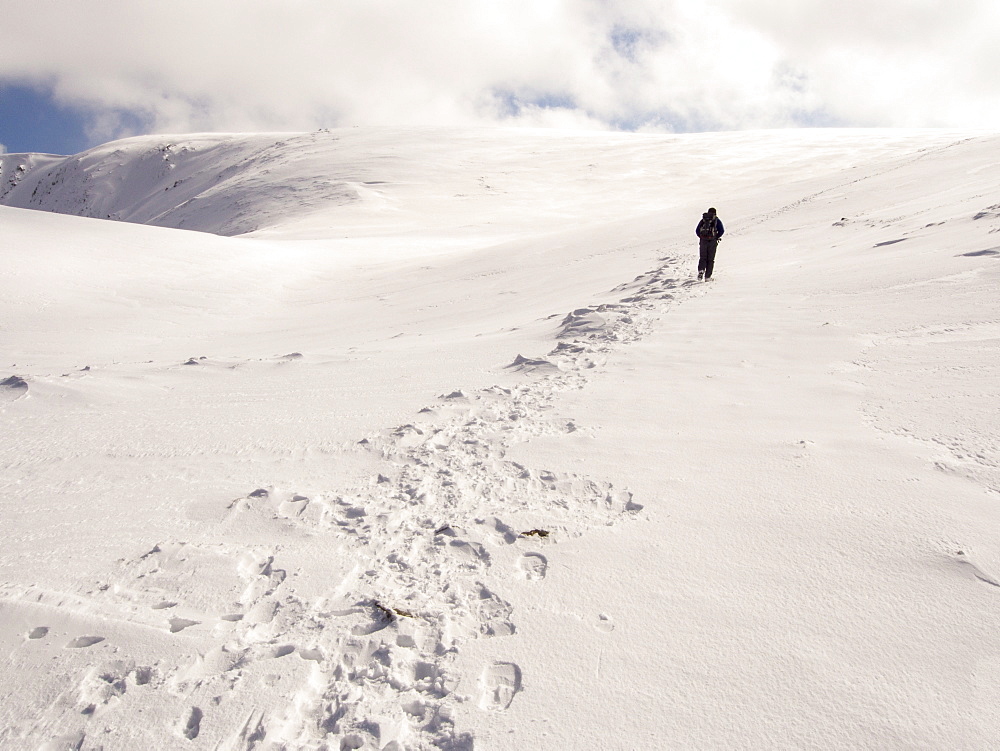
(450, 450)
(208, 183)
(379, 181)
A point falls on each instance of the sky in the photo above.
(76, 74)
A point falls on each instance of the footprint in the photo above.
(193, 726)
(493, 613)
(416, 708)
(179, 624)
(425, 671)
(499, 683)
(143, 675)
(470, 554)
(533, 566)
(82, 642)
(217, 661)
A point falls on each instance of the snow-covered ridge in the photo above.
(219, 184)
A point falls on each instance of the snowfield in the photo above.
(429, 439)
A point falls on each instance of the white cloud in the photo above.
(900, 62)
(649, 64)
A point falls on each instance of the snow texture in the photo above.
(430, 439)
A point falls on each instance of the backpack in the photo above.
(707, 228)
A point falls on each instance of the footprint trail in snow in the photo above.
(346, 628)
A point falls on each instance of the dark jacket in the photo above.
(719, 229)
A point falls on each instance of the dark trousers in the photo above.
(706, 257)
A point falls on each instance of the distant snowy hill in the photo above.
(220, 184)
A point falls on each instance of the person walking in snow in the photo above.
(709, 231)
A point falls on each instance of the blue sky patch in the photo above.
(512, 103)
(31, 120)
(629, 43)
